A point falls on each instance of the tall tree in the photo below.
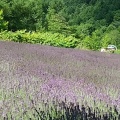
(56, 22)
(3, 23)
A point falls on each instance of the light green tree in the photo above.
(3, 23)
(56, 22)
(113, 37)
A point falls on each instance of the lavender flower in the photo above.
(35, 79)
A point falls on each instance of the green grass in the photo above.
(118, 51)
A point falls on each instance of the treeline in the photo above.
(93, 23)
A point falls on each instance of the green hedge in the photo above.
(53, 39)
(46, 38)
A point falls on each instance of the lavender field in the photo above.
(49, 83)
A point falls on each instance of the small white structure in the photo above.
(112, 47)
(103, 50)
(109, 48)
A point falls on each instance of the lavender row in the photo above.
(37, 75)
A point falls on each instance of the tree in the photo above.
(3, 23)
(84, 30)
(56, 22)
(112, 37)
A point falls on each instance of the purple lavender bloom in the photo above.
(32, 76)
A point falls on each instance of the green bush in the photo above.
(46, 38)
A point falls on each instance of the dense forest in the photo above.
(88, 24)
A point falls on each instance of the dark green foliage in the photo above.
(78, 18)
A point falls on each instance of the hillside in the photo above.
(94, 23)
